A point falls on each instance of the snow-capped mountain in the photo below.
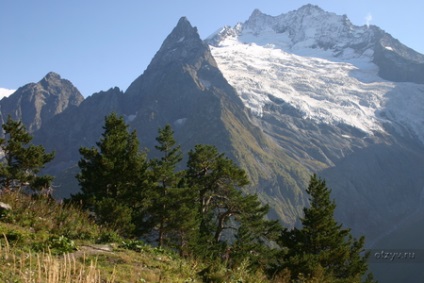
(346, 101)
(304, 92)
(320, 64)
(36, 103)
(4, 92)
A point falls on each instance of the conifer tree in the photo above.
(216, 180)
(113, 177)
(256, 236)
(322, 243)
(165, 179)
(22, 160)
(232, 224)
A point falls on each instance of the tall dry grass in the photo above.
(18, 266)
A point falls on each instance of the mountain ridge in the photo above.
(312, 27)
(282, 109)
(36, 103)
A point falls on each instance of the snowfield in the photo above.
(5, 92)
(327, 86)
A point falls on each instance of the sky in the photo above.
(99, 44)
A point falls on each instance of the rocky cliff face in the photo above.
(182, 86)
(37, 103)
(396, 61)
(317, 85)
(285, 96)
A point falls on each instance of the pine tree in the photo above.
(232, 224)
(256, 236)
(322, 243)
(113, 177)
(22, 161)
(165, 179)
(216, 180)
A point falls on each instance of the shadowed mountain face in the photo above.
(37, 103)
(284, 96)
(182, 87)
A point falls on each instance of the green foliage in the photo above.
(216, 180)
(115, 215)
(56, 245)
(322, 244)
(134, 245)
(202, 213)
(108, 236)
(113, 177)
(22, 160)
(164, 209)
(42, 217)
(232, 224)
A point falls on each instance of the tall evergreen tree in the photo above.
(322, 243)
(113, 176)
(165, 181)
(22, 160)
(231, 223)
(216, 180)
(256, 236)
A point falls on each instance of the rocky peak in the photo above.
(183, 29)
(51, 77)
(181, 52)
(35, 103)
(183, 44)
(310, 9)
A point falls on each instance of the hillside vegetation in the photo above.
(45, 241)
(196, 224)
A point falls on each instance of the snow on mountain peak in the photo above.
(5, 92)
(319, 63)
(308, 26)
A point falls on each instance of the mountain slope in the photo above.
(284, 96)
(4, 92)
(340, 100)
(36, 103)
(183, 86)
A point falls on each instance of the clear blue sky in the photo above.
(101, 44)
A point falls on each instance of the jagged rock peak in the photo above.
(256, 13)
(183, 33)
(183, 44)
(309, 8)
(185, 26)
(36, 103)
(306, 9)
(307, 15)
(53, 79)
(52, 76)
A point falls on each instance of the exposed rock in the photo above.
(36, 103)
(4, 206)
(396, 61)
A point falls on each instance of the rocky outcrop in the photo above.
(396, 61)
(36, 103)
(4, 207)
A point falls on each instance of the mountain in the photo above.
(36, 103)
(183, 87)
(306, 91)
(5, 92)
(318, 87)
(345, 101)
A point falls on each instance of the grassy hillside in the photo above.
(44, 241)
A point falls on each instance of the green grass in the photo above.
(44, 241)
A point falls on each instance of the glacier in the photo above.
(319, 63)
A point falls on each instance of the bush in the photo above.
(55, 245)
